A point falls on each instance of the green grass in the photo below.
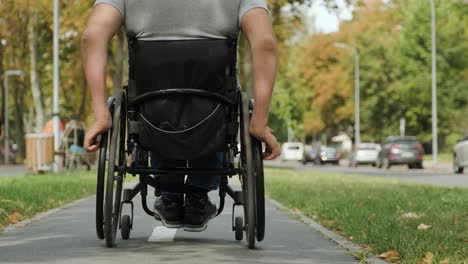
(441, 157)
(22, 197)
(369, 210)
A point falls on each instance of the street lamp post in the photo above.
(434, 83)
(56, 113)
(7, 122)
(357, 128)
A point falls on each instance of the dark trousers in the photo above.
(171, 184)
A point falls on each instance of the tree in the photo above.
(34, 72)
(414, 66)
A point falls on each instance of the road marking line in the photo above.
(162, 234)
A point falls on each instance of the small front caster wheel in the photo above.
(239, 228)
(125, 228)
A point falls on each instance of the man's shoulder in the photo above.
(118, 4)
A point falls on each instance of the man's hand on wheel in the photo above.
(266, 136)
(100, 126)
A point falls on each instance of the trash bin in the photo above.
(39, 152)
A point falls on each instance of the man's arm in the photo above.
(256, 25)
(104, 23)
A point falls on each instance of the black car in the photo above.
(310, 154)
(401, 151)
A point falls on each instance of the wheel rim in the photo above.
(109, 203)
(116, 172)
(101, 176)
(260, 191)
(248, 183)
(100, 187)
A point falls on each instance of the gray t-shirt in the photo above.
(183, 19)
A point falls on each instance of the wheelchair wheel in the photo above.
(247, 174)
(100, 187)
(116, 171)
(260, 188)
(101, 176)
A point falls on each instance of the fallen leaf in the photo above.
(367, 247)
(296, 210)
(423, 227)
(329, 223)
(339, 232)
(429, 256)
(390, 255)
(445, 261)
(14, 217)
(411, 215)
(427, 259)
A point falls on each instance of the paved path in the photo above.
(68, 237)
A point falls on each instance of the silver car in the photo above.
(460, 156)
(364, 153)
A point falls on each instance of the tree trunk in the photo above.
(117, 79)
(35, 85)
(247, 69)
(29, 120)
(81, 110)
(2, 103)
(19, 112)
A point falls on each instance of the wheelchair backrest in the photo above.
(182, 91)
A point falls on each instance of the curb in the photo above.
(40, 216)
(349, 246)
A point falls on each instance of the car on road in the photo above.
(364, 153)
(292, 151)
(327, 155)
(310, 154)
(401, 151)
(460, 155)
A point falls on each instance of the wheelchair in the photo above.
(154, 113)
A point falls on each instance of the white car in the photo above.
(364, 153)
(292, 151)
(460, 157)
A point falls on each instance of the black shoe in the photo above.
(168, 208)
(199, 210)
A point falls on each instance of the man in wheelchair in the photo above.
(174, 23)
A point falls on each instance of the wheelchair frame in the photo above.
(121, 141)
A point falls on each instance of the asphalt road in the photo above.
(439, 175)
(12, 170)
(68, 236)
